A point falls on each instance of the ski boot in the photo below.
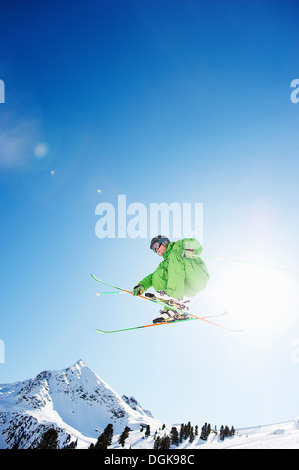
(161, 295)
(169, 316)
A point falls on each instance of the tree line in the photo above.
(49, 439)
(187, 431)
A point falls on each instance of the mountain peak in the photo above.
(75, 401)
(80, 363)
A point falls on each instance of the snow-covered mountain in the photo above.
(79, 405)
(75, 401)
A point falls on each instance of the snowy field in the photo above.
(79, 405)
(275, 436)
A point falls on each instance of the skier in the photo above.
(181, 273)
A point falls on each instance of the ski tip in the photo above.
(95, 278)
(101, 331)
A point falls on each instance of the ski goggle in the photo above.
(157, 244)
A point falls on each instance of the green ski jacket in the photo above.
(176, 275)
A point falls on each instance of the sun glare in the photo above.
(261, 298)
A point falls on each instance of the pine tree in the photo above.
(174, 436)
(148, 431)
(105, 439)
(191, 435)
(108, 431)
(205, 432)
(162, 442)
(196, 430)
(165, 442)
(72, 445)
(187, 430)
(102, 442)
(49, 440)
(182, 432)
(124, 436)
(157, 443)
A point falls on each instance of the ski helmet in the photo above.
(157, 241)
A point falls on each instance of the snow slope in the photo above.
(74, 400)
(274, 436)
(79, 405)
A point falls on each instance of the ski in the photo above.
(156, 324)
(144, 326)
(205, 319)
(105, 293)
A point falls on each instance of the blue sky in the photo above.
(161, 101)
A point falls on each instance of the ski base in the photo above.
(145, 326)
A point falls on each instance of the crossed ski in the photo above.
(192, 316)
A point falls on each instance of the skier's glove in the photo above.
(138, 290)
(188, 253)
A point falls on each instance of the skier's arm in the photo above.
(147, 282)
(192, 244)
(191, 247)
